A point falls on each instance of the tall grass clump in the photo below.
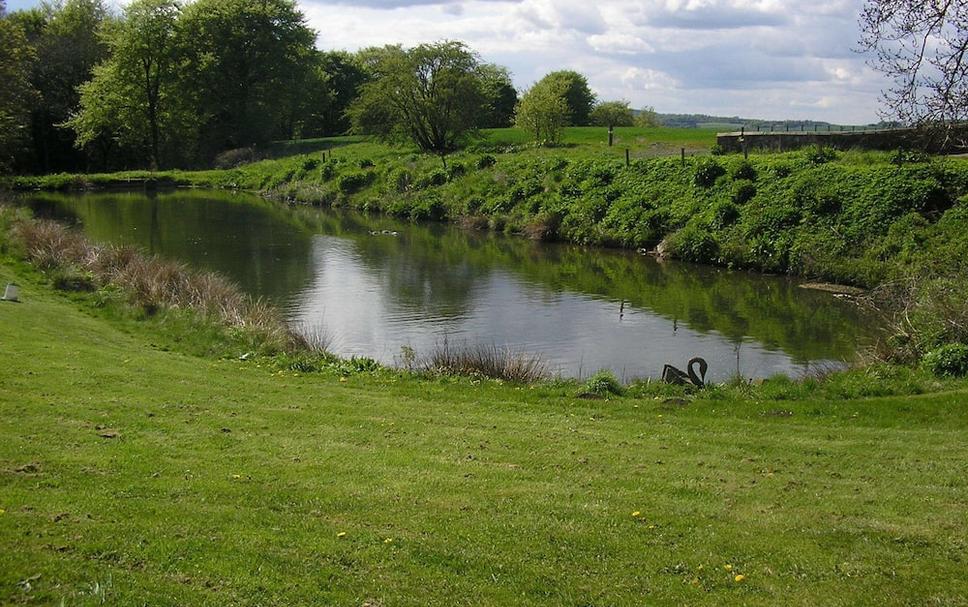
(486, 361)
(923, 315)
(151, 283)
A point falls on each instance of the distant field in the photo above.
(657, 141)
(635, 137)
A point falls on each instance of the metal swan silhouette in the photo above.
(673, 375)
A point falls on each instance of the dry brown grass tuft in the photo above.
(487, 361)
(154, 283)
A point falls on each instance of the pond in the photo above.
(377, 285)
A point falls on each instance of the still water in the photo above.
(424, 284)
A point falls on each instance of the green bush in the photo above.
(717, 150)
(693, 243)
(365, 163)
(744, 170)
(743, 191)
(819, 155)
(353, 182)
(948, 361)
(707, 172)
(455, 171)
(602, 384)
(486, 161)
(435, 178)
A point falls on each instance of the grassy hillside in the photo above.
(135, 472)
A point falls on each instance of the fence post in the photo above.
(683, 152)
(611, 133)
(626, 157)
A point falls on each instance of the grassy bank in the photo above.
(136, 471)
(857, 218)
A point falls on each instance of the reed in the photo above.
(487, 361)
(153, 284)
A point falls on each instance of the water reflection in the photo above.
(377, 293)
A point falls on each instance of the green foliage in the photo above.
(647, 118)
(577, 95)
(948, 361)
(707, 172)
(543, 112)
(500, 97)
(611, 114)
(248, 62)
(694, 243)
(743, 191)
(744, 170)
(353, 182)
(602, 384)
(16, 92)
(430, 95)
(134, 98)
(486, 161)
(819, 154)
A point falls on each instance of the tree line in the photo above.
(166, 84)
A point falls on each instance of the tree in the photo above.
(133, 98)
(430, 95)
(612, 113)
(69, 44)
(247, 62)
(500, 96)
(922, 46)
(543, 111)
(578, 96)
(647, 118)
(16, 94)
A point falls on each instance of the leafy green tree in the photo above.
(333, 84)
(69, 44)
(500, 96)
(578, 96)
(543, 111)
(430, 95)
(647, 118)
(134, 98)
(247, 62)
(16, 94)
(612, 113)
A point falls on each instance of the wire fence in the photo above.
(787, 127)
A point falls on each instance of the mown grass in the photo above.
(135, 473)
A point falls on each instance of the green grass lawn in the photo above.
(133, 475)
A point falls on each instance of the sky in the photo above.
(772, 59)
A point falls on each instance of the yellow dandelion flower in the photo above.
(389, 540)
(341, 534)
(739, 578)
(728, 567)
(636, 513)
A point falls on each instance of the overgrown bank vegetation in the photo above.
(898, 222)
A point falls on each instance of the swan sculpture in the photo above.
(673, 375)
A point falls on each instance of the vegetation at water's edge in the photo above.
(859, 218)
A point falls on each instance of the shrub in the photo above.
(328, 170)
(309, 164)
(400, 180)
(948, 361)
(602, 384)
(743, 191)
(725, 214)
(693, 243)
(819, 155)
(455, 171)
(486, 161)
(707, 172)
(353, 182)
(744, 170)
(365, 163)
(436, 177)
(717, 150)
(230, 159)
